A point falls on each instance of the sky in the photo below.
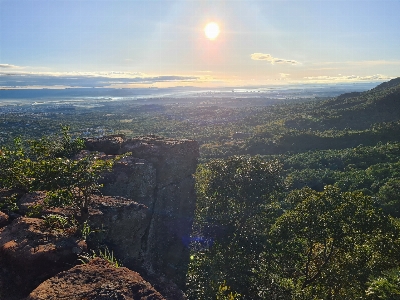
(161, 43)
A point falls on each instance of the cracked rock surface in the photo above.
(96, 280)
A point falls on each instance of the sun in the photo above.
(211, 30)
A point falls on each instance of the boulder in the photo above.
(122, 224)
(30, 253)
(109, 144)
(116, 222)
(176, 158)
(96, 280)
(132, 178)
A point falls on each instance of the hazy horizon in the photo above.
(153, 43)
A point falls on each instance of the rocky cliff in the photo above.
(145, 215)
(158, 173)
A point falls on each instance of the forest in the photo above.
(295, 200)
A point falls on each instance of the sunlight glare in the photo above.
(211, 30)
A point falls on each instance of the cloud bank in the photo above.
(273, 60)
(23, 80)
(343, 78)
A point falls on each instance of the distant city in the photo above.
(44, 99)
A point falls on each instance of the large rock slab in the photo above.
(96, 280)
(132, 178)
(174, 159)
(30, 254)
(123, 224)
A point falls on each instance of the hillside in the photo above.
(314, 236)
(342, 122)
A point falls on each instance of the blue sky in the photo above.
(132, 43)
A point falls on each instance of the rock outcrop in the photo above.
(158, 173)
(123, 224)
(96, 280)
(30, 254)
(145, 219)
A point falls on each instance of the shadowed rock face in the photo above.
(96, 280)
(158, 173)
(3, 219)
(123, 224)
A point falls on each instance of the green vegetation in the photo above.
(52, 165)
(330, 231)
(313, 215)
(236, 203)
(265, 243)
(103, 253)
(329, 243)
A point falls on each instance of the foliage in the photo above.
(330, 243)
(73, 181)
(49, 164)
(386, 286)
(9, 203)
(35, 211)
(104, 253)
(236, 201)
(389, 197)
(225, 293)
(53, 222)
(86, 230)
(16, 168)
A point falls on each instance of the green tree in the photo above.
(50, 164)
(16, 167)
(237, 198)
(386, 286)
(330, 243)
(73, 181)
(389, 196)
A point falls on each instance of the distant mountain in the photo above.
(359, 110)
(342, 122)
(387, 85)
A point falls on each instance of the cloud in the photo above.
(98, 80)
(346, 78)
(272, 60)
(283, 75)
(8, 66)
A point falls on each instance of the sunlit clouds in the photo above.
(29, 80)
(273, 60)
(173, 42)
(348, 78)
(8, 66)
(284, 75)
